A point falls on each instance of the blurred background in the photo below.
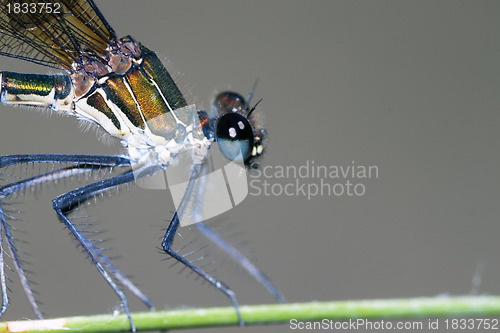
(408, 87)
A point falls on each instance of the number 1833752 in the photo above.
(471, 324)
(33, 8)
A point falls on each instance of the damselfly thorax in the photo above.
(121, 86)
(132, 97)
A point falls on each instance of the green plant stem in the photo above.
(467, 306)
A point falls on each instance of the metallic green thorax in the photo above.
(145, 93)
(131, 96)
(144, 96)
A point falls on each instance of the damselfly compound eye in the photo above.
(229, 101)
(235, 137)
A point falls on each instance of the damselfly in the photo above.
(121, 86)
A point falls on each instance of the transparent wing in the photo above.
(54, 33)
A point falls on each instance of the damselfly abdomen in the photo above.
(121, 86)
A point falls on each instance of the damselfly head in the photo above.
(236, 132)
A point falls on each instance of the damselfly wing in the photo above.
(121, 86)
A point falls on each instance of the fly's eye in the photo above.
(228, 101)
(234, 136)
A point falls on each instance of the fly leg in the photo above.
(64, 205)
(168, 240)
(6, 237)
(171, 232)
(83, 163)
(243, 261)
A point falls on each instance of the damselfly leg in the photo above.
(65, 203)
(167, 247)
(122, 87)
(82, 164)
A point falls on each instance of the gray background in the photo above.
(411, 87)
